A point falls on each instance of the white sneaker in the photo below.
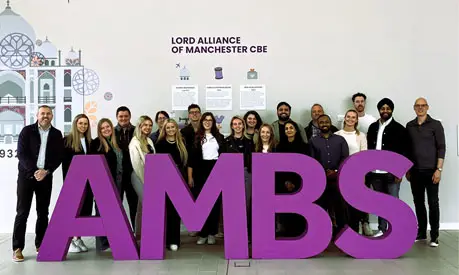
(219, 235)
(173, 247)
(366, 229)
(81, 245)
(73, 248)
(201, 240)
(211, 239)
(434, 243)
(193, 234)
(379, 234)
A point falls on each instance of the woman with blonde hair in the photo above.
(140, 145)
(357, 142)
(105, 144)
(170, 141)
(77, 142)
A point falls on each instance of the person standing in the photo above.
(160, 117)
(428, 149)
(313, 129)
(389, 135)
(283, 114)
(78, 143)
(365, 120)
(124, 132)
(40, 149)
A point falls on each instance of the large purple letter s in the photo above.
(403, 227)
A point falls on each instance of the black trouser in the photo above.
(25, 190)
(131, 197)
(200, 175)
(172, 225)
(364, 217)
(331, 199)
(88, 202)
(421, 181)
(102, 241)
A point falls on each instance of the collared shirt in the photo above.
(44, 140)
(329, 152)
(315, 131)
(427, 142)
(382, 126)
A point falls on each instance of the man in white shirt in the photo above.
(365, 120)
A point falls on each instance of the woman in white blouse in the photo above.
(141, 144)
(357, 142)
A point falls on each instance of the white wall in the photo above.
(318, 51)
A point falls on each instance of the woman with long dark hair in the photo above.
(206, 150)
(253, 123)
(77, 142)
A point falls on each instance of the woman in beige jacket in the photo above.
(141, 144)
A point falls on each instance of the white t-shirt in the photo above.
(365, 122)
(210, 148)
(265, 148)
(83, 144)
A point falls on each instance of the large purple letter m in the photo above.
(163, 178)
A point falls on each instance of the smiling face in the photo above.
(421, 107)
(290, 130)
(44, 117)
(265, 134)
(238, 126)
(146, 127)
(106, 130)
(324, 124)
(283, 113)
(161, 119)
(124, 118)
(82, 125)
(350, 119)
(385, 112)
(171, 129)
(251, 121)
(316, 112)
(207, 123)
(194, 114)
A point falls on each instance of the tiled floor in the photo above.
(209, 260)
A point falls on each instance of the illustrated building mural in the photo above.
(33, 73)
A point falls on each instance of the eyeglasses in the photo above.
(208, 120)
(420, 106)
(194, 112)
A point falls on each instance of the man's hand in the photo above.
(40, 174)
(436, 177)
(398, 180)
(331, 174)
(290, 186)
(190, 182)
(408, 176)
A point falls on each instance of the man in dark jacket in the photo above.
(313, 129)
(124, 132)
(386, 134)
(40, 149)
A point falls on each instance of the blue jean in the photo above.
(384, 183)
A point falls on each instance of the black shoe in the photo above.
(421, 237)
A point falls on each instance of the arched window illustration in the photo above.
(67, 80)
(46, 63)
(68, 115)
(46, 86)
(53, 63)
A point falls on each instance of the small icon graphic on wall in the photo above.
(252, 74)
(219, 119)
(108, 96)
(218, 73)
(184, 73)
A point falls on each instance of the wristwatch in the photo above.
(440, 169)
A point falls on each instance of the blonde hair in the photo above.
(103, 142)
(72, 140)
(138, 133)
(178, 140)
(243, 124)
(357, 132)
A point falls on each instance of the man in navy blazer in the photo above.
(40, 149)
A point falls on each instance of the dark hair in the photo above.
(194, 106)
(359, 94)
(298, 136)
(201, 133)
(123, 109)
(284, 103)
(257, 116)
(323, 116)
(164, 113)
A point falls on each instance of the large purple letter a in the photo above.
(65, 222)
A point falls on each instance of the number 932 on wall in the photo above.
(8, 153)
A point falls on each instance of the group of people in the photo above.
(196, 148)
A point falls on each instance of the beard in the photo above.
(324, 130)
(283, 117)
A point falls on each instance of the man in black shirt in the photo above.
(427, 153)
(330, 151)
(188, 132)
(124, 132)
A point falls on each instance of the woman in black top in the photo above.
(77, 142)
(170, 141)
(237, 142)
(105, 144)
(206, 150)
(287, 182)
(253, 123)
